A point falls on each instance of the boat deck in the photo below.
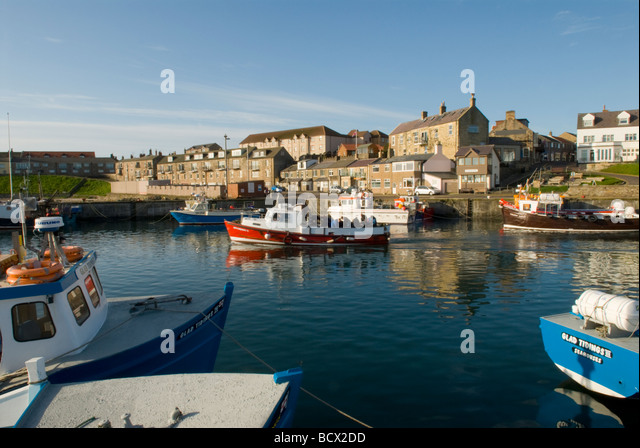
(206, 401)
(571, 322)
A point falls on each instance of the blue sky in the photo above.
(86, 75)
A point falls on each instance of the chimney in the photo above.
(438, 148)
(604, 109)
(472, 101)
(424, 114)
(550, 133)
(443, 108)
(511, 115)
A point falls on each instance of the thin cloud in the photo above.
(53, 40)
(575, 24)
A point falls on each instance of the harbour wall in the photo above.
(468, 206)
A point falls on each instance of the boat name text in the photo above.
(207, 317)
(590, 346)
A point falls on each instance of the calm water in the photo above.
(378, 331)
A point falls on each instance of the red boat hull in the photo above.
(330, 237)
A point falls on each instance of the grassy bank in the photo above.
(58, 185)
(630, 169)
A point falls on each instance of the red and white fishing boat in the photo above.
(295, 225)
(547, 212)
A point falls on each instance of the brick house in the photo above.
(450, 129)
(68, 163)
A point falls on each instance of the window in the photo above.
(387, 183)
(607, 138)
(94, 287)
(450, 129)
(415, 137)
(78, 305)
(630, 137)
(32, 321)
(375, 169)
(375, 183)
(588, 139)
(472, 129)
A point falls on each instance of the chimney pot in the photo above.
(472, 101)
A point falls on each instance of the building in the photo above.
(557, 149)
(477, 168)
(311, 141)
(211, 165)
(439, 172)
(65, 163)
(139, 168)
(607, 136)
(451, 130)
(517, 129)
(397, 175)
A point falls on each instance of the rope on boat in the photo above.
(235, 341)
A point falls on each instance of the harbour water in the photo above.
(438, 330)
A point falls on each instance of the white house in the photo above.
(608, 136)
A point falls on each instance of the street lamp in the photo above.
(226, 169)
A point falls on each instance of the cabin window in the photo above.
(78, 305)
(32, 321)
(94, 293)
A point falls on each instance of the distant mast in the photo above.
(10, 166)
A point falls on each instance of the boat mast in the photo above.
(10, 166)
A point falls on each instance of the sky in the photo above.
(125, 77)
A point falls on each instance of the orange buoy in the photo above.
(73, 253)
(33, 271)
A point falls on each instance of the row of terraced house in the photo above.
(453, 151)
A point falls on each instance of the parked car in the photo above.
(425, 189)
(335, 189)
(277, 189)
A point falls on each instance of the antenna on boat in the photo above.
(49, 226)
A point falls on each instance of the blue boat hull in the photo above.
(605, 365)
(282, 416)
(185, 219)
(196, 347)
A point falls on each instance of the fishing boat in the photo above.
(547, 212)
(351, 205)
(596, 344)
(295, 225)
(201, 211)
(193, 400)
(54, 306)
(12, 211)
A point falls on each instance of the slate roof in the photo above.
(434, 120)
(289, 133)
(608, 119)
(480, 149)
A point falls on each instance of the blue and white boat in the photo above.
(55, 308)
(596, 344)
(201, 211)
(193, 400)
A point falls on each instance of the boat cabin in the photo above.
(544, 203)
(44, 317)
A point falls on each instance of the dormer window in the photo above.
(623, 118)
(587, 120)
